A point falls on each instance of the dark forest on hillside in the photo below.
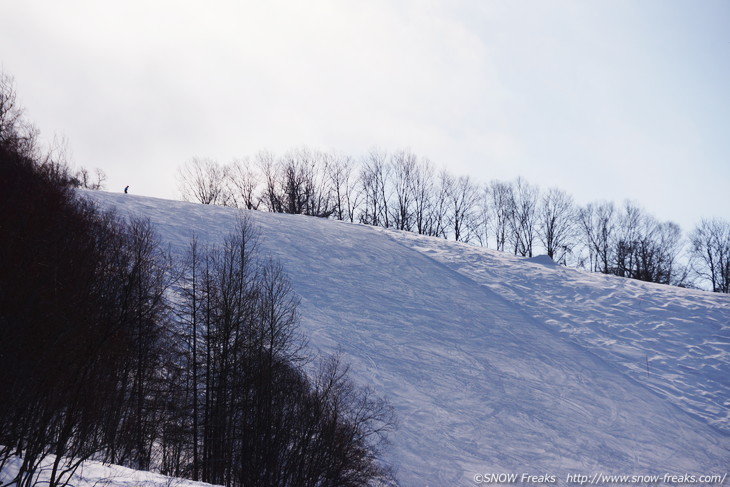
(196, 369)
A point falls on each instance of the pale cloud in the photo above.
(604, 99)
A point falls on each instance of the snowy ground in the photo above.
(675, 341)
(95, 474)
(497, 364)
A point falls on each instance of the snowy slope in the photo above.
(497, 364)
(675, 341)
(95, 474)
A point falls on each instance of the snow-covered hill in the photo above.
(497, 364)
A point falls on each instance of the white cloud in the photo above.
(569, 94)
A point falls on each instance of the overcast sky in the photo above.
(605, 99)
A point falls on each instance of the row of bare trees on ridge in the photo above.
(404, 191)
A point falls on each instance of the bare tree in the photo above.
(523, 221)
(710, 246)
(667, 246)
(403, 164)
(438, 219)
(502, 207)
(272, 199)
(191, 316)
(295, 177)
(297, 183)
(84, 179)
(462, 202)
(202, 180)
(598, 223)
(483, 215)
(242, 185)
(557, 224)
(11, 114)
(423, 197)
(630, 226)
(304, 182)
(374, 178)
(644, 248)
(344, 185)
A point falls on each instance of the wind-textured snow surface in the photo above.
(497, 364)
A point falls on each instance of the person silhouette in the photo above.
(126, 188)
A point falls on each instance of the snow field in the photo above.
(495, 363)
